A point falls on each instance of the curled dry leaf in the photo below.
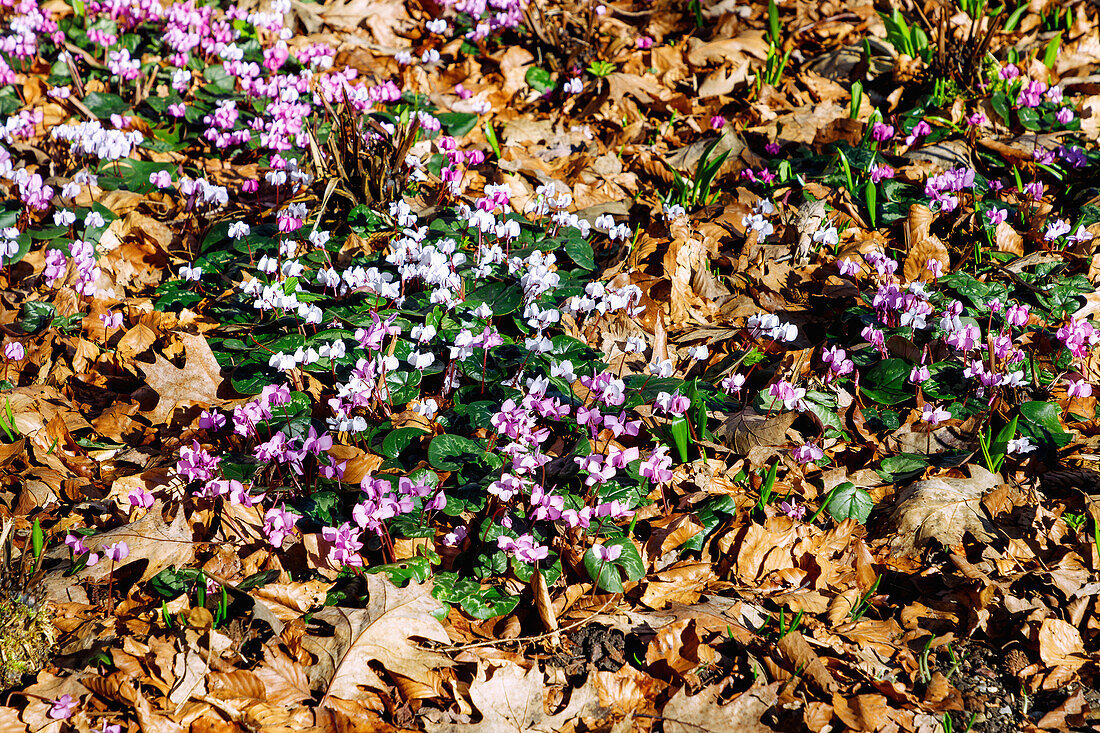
(195, 383)
(1007, 239)
(382, 632)
(743, 431)
(942, 509)
(510, 700)
(702, 713)
(922, 251)
(1060, 644)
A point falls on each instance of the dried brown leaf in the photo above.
(921, 253)
(1060, 644)
(195, 383)
(382, 632)
(743, 431)
(510, 700)
(702, 713)
(1007, 239)
(943, 509)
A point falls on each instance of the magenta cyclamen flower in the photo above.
(344, 545)
(111, 319)
(881, 172)
(808, 453)
(14, 351)
(117, 552)
(1078, 389)
(881, 132)
(604, 553)
(62, 708)
(658, 467)
(793, 510)
(278, 525)
(791, 396)
(934, 415)
(848, 267)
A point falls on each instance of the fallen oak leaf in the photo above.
(742, 431)
(382, 633)
(511, 701)
(942, 509)
(701, 713)
(150, 539)
(196, 383)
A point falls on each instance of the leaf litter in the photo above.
(834, 530)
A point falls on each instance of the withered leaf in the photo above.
(195, 383)
(702, 713)
(510, 700)
(743, 431)
(382, 632)
(942, 509)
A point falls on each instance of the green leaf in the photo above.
(487, 603)
(849, 502)
(172, 582)
(398, 440)
(1042, 423)
(630, 561)
(36, 315)
(604, 574)
(539, 79)
(1029, 118)
(103, 104)
(580, 251)
(886, 382)
(457, 124)
(1001, 106)
(417, 569)
(321, 506)
(503, 298)
(404, 386)
(453, 452)
(258, 580)
(904, 464)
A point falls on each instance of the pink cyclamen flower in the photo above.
(604, 553)
(211, 420)
(934, 415)
(1064, 115)
(278, 525)
(643, 42)
(881, 172)
(717, 122)
(1078, 388)
(15, 351)
(793, 510)
(117, 552)
(160, 179)
(848, 267)
(111, 319)
(882, 132)
(141, 498)
(808, 453)
(62, 708)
